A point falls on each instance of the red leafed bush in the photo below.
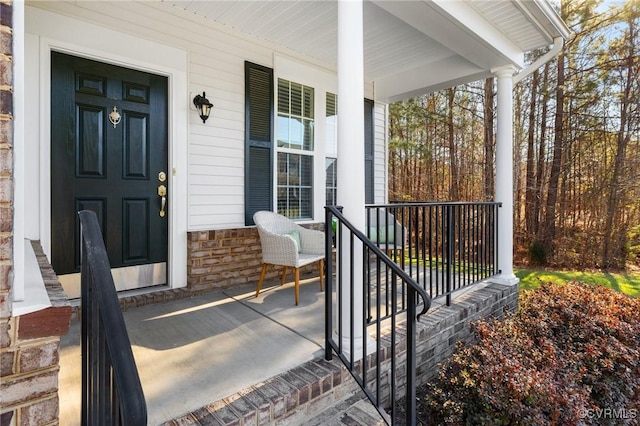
(568, 352)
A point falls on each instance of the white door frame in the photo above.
(134, 53)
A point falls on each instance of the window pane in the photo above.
(283, 96)
(296, 133)
(306, 170)
(308, 102)
(295, 185)
(296, 99)
(305, 204)
(332, 105)
(331, 181)
(295, 116)
(308, 135)
(283, 131)
(283, 170)
(282, 201)
(331, 115)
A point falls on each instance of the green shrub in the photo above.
(633, 245)
(537, 254)
(569, 349)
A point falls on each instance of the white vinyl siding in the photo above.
(380, 153)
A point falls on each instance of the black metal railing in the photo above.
(377, 307)
(111, 390)
(443, 246)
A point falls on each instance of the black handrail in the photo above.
(412, 296)
(111, 389)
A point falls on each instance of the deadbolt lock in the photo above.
(162, 176)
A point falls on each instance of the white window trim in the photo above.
(322, 81)
(295, 151)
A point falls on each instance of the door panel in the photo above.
(135, 233)
(136, 146)
(111, 169)
(90, 145)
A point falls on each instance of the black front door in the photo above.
(113, 166)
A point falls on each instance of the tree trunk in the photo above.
(612, 244)
(489, 142)
(454, 190)
(540, 169)
(530, 192)
(548, 231)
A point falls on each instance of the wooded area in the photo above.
(576, 144)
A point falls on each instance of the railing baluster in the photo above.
(329, 237)
(433, 251)
(411, 359)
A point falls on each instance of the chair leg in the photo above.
(264, 270)
(284, 275)
(321, 265)
(297, 284)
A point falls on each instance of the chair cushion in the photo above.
(383, 234)
(295, 236)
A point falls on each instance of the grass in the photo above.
(625, 282)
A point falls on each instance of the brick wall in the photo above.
(228, 257)
(7, 324)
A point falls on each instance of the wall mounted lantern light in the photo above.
(203, 105)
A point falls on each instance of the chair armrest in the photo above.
(278, 249)
(312, 241)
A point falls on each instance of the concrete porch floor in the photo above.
(193, 351)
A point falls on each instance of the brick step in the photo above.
(353, 410)
(319, 391)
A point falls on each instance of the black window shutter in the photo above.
(368, 152)
(258, 163)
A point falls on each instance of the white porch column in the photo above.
(504, 173)
(351, 157)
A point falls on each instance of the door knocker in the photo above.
(114, 117)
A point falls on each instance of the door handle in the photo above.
(162, 192)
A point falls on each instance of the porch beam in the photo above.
(504, 173)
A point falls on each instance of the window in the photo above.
(331, 114)
(369, 153)
(331, 168)
(295, 143)
(295, 189)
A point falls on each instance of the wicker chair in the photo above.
(385, 231)
(279, 238)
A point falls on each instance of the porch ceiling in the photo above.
(411, 47)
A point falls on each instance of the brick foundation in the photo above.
(227, 257)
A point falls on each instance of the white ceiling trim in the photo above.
(428, 78)
(478, 40)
